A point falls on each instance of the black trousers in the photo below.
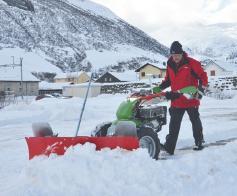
(176, 116)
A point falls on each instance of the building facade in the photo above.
(72, 77)
(29, 88)
(215, 68)
(149, 70)
(107, 78)
(11, 80)
(80, 90)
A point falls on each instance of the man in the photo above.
(182, 71)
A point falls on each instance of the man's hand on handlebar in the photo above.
(172, 95)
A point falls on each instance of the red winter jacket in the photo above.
(188, 73)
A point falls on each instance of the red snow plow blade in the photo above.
(58, 145)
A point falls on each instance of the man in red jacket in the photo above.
(182, 71)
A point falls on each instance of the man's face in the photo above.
(177, 57)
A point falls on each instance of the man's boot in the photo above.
(198, 145)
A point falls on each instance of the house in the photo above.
(148, 70)
(107, 78)
(10, 81)
(79, 90)
(114, 77)
(218, 68)
(72, 77)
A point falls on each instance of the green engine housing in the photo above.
(125, 112)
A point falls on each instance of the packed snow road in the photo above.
(83, 171)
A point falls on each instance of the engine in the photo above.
(153, 115)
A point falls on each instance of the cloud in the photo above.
(155, 11)
(227, 13)
(160, 16)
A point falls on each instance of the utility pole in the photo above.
(21, 59)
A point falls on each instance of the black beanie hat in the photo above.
(176, 48)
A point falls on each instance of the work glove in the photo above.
(203, 89)
(156, 89)
(172, 95)
(201, 92)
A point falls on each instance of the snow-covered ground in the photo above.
(83, 171)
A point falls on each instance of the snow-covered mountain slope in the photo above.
(213, 41)
(67, 32)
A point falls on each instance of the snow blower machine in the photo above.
(140, 116)
(139, 119)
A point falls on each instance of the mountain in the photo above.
(217, 41)
(72, 35)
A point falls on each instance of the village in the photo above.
(16, 83)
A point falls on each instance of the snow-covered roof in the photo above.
(160, 65)
(34, 61)
(205, 62)
(52, 86)
(14, 74)
(211, 62)
(226, 65)
(125, 76)
(68, 74)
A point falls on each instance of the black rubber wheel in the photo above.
(102, 131)
(148, 139)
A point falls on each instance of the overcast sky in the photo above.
(157, 16)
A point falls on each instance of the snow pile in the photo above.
(83, 171)
(63, 113)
